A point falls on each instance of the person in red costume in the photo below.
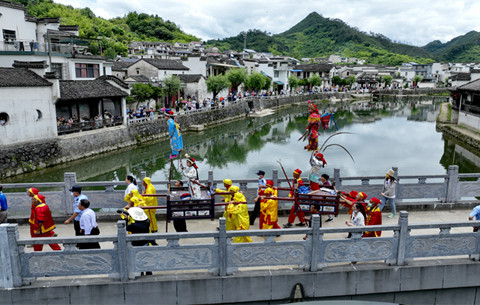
(295, 211)
(374, 217)
(41, 221)
(312, 127)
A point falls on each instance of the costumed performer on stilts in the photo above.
(238, 215)
(269, 209)
(176, 140)
(312, 127)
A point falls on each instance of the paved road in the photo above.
(428, 216)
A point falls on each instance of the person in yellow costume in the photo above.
(237, 213)
(227, 183)
(150, 202)
(269, 209)
(134, 200)
(229, 223)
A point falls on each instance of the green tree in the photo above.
(315, 80)
(292, 82)
(236, 77)
(417, 79)
(142, 92)
(215, 84)
(256, 81)
(352, 79)
(268, 83)
(336, 80)
(171, 86)
(387, 79)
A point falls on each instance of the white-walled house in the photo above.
(27, 109)
(157, 69)
(196, 63)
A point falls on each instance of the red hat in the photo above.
(40, 198)
(320, 156)
(269, 183)
(363, 195)
(185, 196)
(33, 191)
(352, 194)
(297, 171)
(375, 200)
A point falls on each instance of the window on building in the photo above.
(86, 70)
(4, 118)
(39, 115)
(9, 36)
(58, 69)
(276, 74)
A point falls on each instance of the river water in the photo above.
(383, 134)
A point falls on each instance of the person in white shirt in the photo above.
(88, 224)
(358, 216)
(131, 185)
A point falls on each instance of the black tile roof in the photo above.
(314, 67)
(121, 65)
(190, 78)
(139, 78)
(165, 64)
(88, 89)
(30, 64)
(114, 79)
(461, 77)
(12, 5)
(20, 77)
(471, 86)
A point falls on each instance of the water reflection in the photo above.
(386, 134)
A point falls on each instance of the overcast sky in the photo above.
(416, 22)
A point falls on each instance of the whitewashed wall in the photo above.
(14, 20)
(21, 104)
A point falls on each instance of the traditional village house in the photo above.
(120, 67)
(466, 99)
(193, 86)
(27, 108)
(158, 69)
(303, 71)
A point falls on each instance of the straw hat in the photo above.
(137, 214)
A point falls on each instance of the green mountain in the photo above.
(465, 48)
(316, 36)
(114, 33)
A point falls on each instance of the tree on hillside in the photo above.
(215, 84)
(171, 86)
(236, 77)
(292, 82)
(256, 81)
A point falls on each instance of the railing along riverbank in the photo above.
(221, 257)
(412, 190)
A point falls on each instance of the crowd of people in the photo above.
(107, 119)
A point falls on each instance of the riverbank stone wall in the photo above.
(34, 156)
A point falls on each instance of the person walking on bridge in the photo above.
(388, 192)
(77, 213)
(150, 201)
(295, 210)
(41, 222)
(3, 206)
(261, 184)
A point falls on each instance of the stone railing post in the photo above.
(315, 243)
(222, 247)
(275, 177)
(452, 186)
(398, 190)
(210, 177)
(402, 238)
(143, 174)
(122, 250)
(10, 272)
(70, 179)
(336, 177)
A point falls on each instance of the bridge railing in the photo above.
(221, 257)
(449, 188)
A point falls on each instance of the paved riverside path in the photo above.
(202, 225)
